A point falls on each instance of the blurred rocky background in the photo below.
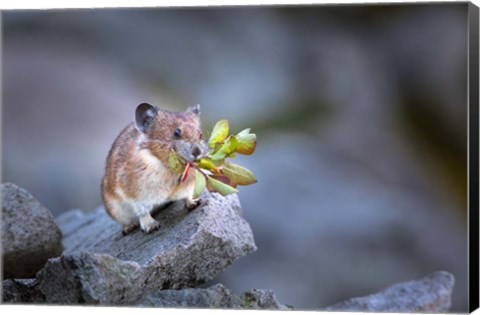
(360, 113)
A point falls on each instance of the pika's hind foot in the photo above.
(149, 224)
(127, 229)
(193, 204)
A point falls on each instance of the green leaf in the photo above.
(224, 179)
(239, 174)
(207, 164)
(228, 147)
(219, 133)
(220, 187)
(200, 183)
(247, 143)
(244, 132)
(175, 162)
(216, 147)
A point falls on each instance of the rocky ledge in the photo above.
(101, 266)
(98, 265)
(216, 296)
(432, 294)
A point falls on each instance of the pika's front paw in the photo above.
(149, 224)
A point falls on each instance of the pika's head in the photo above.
(163, 130)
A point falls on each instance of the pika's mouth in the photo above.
(191, 152)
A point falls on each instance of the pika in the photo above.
(137, 175)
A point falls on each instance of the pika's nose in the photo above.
(196, 151)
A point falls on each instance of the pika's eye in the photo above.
(177, 133)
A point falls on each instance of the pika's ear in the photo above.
(144, 117)
(194, 109)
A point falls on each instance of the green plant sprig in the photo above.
(212, 171)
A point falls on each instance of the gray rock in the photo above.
(21, 291)
(91, 279)
(431, 294)
(262, 299)
(101, 266)
(29, 233)
(216, 296)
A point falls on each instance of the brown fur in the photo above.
(137, 172)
